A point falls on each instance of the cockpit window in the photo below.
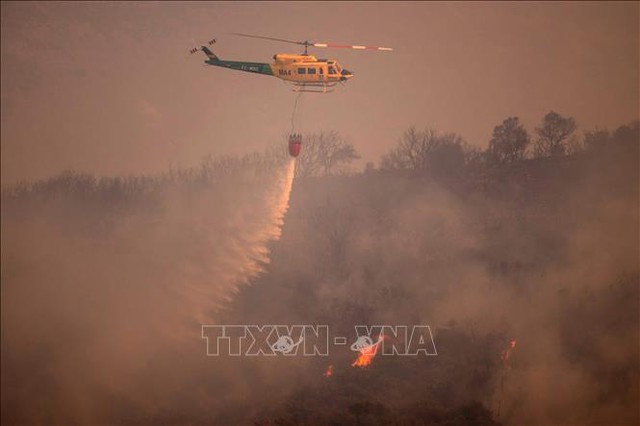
(332, 71)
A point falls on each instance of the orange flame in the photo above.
(329, 371)
(367, 354)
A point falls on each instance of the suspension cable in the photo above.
(295, 106)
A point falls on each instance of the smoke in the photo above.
(277, 204)
(102, 304)
(549, 258)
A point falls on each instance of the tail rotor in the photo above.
(206, 50)
(210, 43)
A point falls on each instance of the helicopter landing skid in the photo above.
(313, 87)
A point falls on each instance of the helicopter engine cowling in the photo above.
(286, 58)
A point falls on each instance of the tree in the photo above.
(426, 151)
(411, 151)
(627, 134)
(474, 159)
(509, 142)
(554, 135)
(624, 136)
(447, 159)
(596, 139)
(370, 167)
(325, 153)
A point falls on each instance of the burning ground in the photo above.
(105, 283)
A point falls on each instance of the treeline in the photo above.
(418, 152)
(445, 155)
(211, 170)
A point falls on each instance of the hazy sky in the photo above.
(110, 88)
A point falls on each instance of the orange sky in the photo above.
(110, 88)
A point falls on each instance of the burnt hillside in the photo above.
(542, 251)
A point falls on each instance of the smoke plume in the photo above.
(103, 297)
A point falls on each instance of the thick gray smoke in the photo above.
(547, 255)
(106, 300)
(103, 297)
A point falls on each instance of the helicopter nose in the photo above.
(345, 75)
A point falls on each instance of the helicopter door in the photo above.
(311, 71)
(320, 73)
(332, 71)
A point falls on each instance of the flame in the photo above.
(329, 371)
(367, 354)
(507, 352)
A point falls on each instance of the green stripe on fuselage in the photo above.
(255, 67)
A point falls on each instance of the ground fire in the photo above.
(367, 354)
(328, 372)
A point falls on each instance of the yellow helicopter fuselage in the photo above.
(303, 71)
(308, 69)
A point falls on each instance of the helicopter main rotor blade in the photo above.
(308, 43)
(356, 47)
(272, 38)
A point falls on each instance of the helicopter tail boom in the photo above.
(209, 53)
(254, 67)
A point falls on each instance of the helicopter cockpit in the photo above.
(336, 69)
(333, 68)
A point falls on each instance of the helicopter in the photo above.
(305, 72)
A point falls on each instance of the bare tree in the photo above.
(325, 153)
(427, 151)
(509, 142)
(475, 158)
(412, 150)
(554, 135)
